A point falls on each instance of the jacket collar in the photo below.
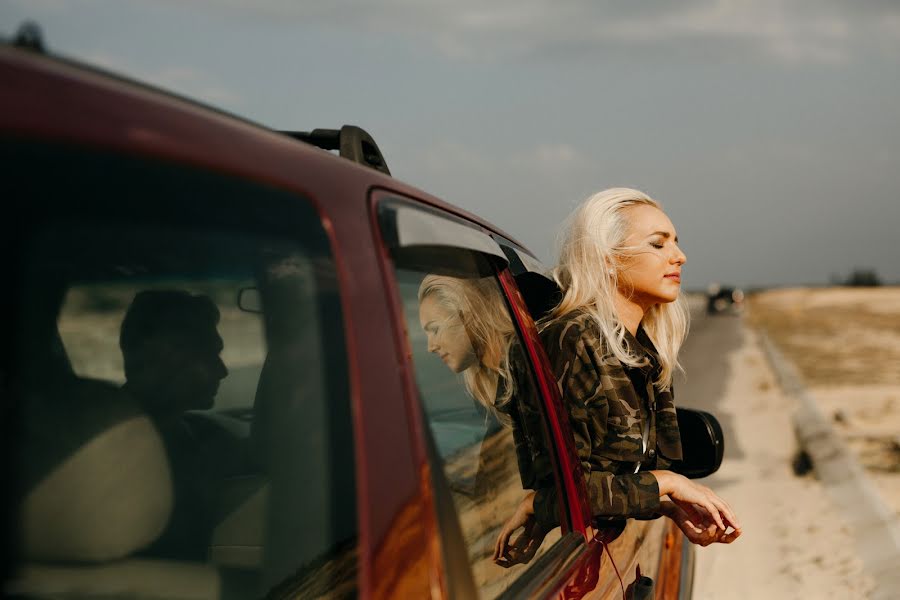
(642, 345)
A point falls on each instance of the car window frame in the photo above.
(578, 505)
(550, 571)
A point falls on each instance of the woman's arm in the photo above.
(699, 512)
(580, 367)
(630, 495)
(577, 359)
(596, 390)
(524, 547)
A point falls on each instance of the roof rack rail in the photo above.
(351, 142)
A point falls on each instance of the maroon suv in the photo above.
(216, 382)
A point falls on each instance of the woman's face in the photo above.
(447, 335)
(651, 274)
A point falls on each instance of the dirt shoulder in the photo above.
(795, 544)
(846, 344)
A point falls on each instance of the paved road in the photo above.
(705, 360)
(796, 543)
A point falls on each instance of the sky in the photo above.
(769, 130)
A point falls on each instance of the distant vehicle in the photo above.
(723, 299)
(348, 460)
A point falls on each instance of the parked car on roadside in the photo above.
(340, 458)
(723, 299)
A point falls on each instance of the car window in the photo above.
(180, 390)
(478, 395)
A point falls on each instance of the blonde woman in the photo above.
(613, 343)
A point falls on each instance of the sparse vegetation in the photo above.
(858, 278)
(836, 336)
(846, 343)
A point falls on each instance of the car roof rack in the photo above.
(351, 142)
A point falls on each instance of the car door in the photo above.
(487, 447)
(111, 493)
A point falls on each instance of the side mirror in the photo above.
(702, 443)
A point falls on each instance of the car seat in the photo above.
(95, 489)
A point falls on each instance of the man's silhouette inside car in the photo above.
(171, 348)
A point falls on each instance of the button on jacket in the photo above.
(621, 421)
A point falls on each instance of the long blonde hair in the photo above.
(490, 330)
(591, 252)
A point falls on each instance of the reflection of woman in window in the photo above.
(613, 343)
(471, 331)
(469, 327)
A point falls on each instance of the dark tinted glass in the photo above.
(176, 400)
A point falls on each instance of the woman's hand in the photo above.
(526, 544)
(697, 524)
(689, 494)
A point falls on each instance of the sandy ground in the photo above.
(794, 544)
(846, 344)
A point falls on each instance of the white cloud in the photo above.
(452, 157)
(782, 31)
(550, 159)
(798, 31)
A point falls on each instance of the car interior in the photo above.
(250, 496)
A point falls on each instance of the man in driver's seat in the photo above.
(171, 347)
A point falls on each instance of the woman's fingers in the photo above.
(699, 516)
(723, 535)
(706, 501)
(502, 545)
(502, 540)
(704, 497)
(732, 517)
(686, 515)
(725, 509)
(520, 518)
(698, 524)
(693, 525)
(714, 512)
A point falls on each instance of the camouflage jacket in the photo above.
(525, 418)
(532, 455)
(612, 409)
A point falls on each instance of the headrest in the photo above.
(98, 485)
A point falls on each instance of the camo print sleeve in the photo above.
(604, 413)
